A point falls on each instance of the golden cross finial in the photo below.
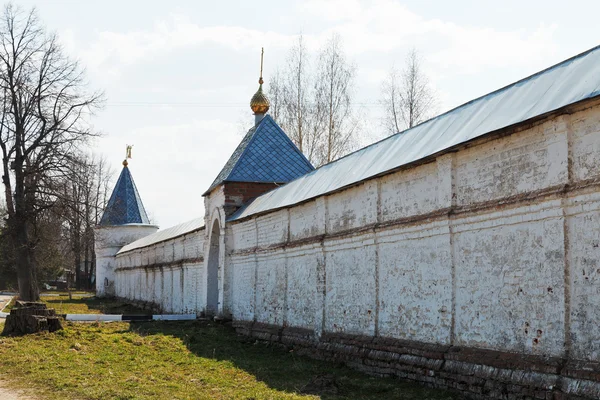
(262, 53)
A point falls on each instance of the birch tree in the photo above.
(45, 107)
(312, 101)
(334, 85)
(276, 96)
(292, 97)
(406, 96)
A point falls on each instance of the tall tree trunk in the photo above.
(86, 264)
(92, 270)
(77, 253)
(26, 274)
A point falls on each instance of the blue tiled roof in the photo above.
(124, 205)
(266, 154)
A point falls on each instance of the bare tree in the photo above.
(276, 96)
(407, 97)
(333, 97)
(86, 194)
(292, 95)
(44, 121)
(297, 90)
(313, 105)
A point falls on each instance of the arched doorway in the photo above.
(212, 272)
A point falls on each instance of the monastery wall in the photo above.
(168, 275)
(494, 248)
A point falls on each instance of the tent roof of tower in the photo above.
(125, 205)
(266, 154)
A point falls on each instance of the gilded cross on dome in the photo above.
(259, 102)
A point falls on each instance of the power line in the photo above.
(202, 105)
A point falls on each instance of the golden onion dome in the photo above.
(259, 102)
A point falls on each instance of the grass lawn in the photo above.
(176, 360)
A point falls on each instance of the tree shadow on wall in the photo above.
(281, 368)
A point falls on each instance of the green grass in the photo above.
(177, 360)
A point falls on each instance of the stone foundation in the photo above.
(476, 373)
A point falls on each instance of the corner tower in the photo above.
(124, 220)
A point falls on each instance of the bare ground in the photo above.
(12, 394)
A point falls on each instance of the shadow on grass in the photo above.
(282, 369)
(82, 305)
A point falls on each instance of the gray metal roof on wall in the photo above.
(568, 82)
(164, 235)
(266, 154)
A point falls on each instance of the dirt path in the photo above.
(12, 394)
(9, 394)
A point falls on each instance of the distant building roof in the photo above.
(165, 234)
(568, 82)
(266, 154)
(124, 205)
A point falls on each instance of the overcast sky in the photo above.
(178, 75)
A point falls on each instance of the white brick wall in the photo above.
(415, 283)
(492, 276)
(271, 287)
(527, 161)
(304, 304)
(167, 274)
(244, 235)
(350, 302)
(244, 282)
(352, 208)
(272, 228)
(307, 220)
(410, 193)
(510, 281)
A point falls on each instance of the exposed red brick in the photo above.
(239, 193)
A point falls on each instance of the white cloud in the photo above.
(383, 26)
(113, 50)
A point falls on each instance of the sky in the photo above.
(178, 75)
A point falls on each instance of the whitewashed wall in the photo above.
(169, 274)
(494, 246)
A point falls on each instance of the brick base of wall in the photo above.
(476, 373)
